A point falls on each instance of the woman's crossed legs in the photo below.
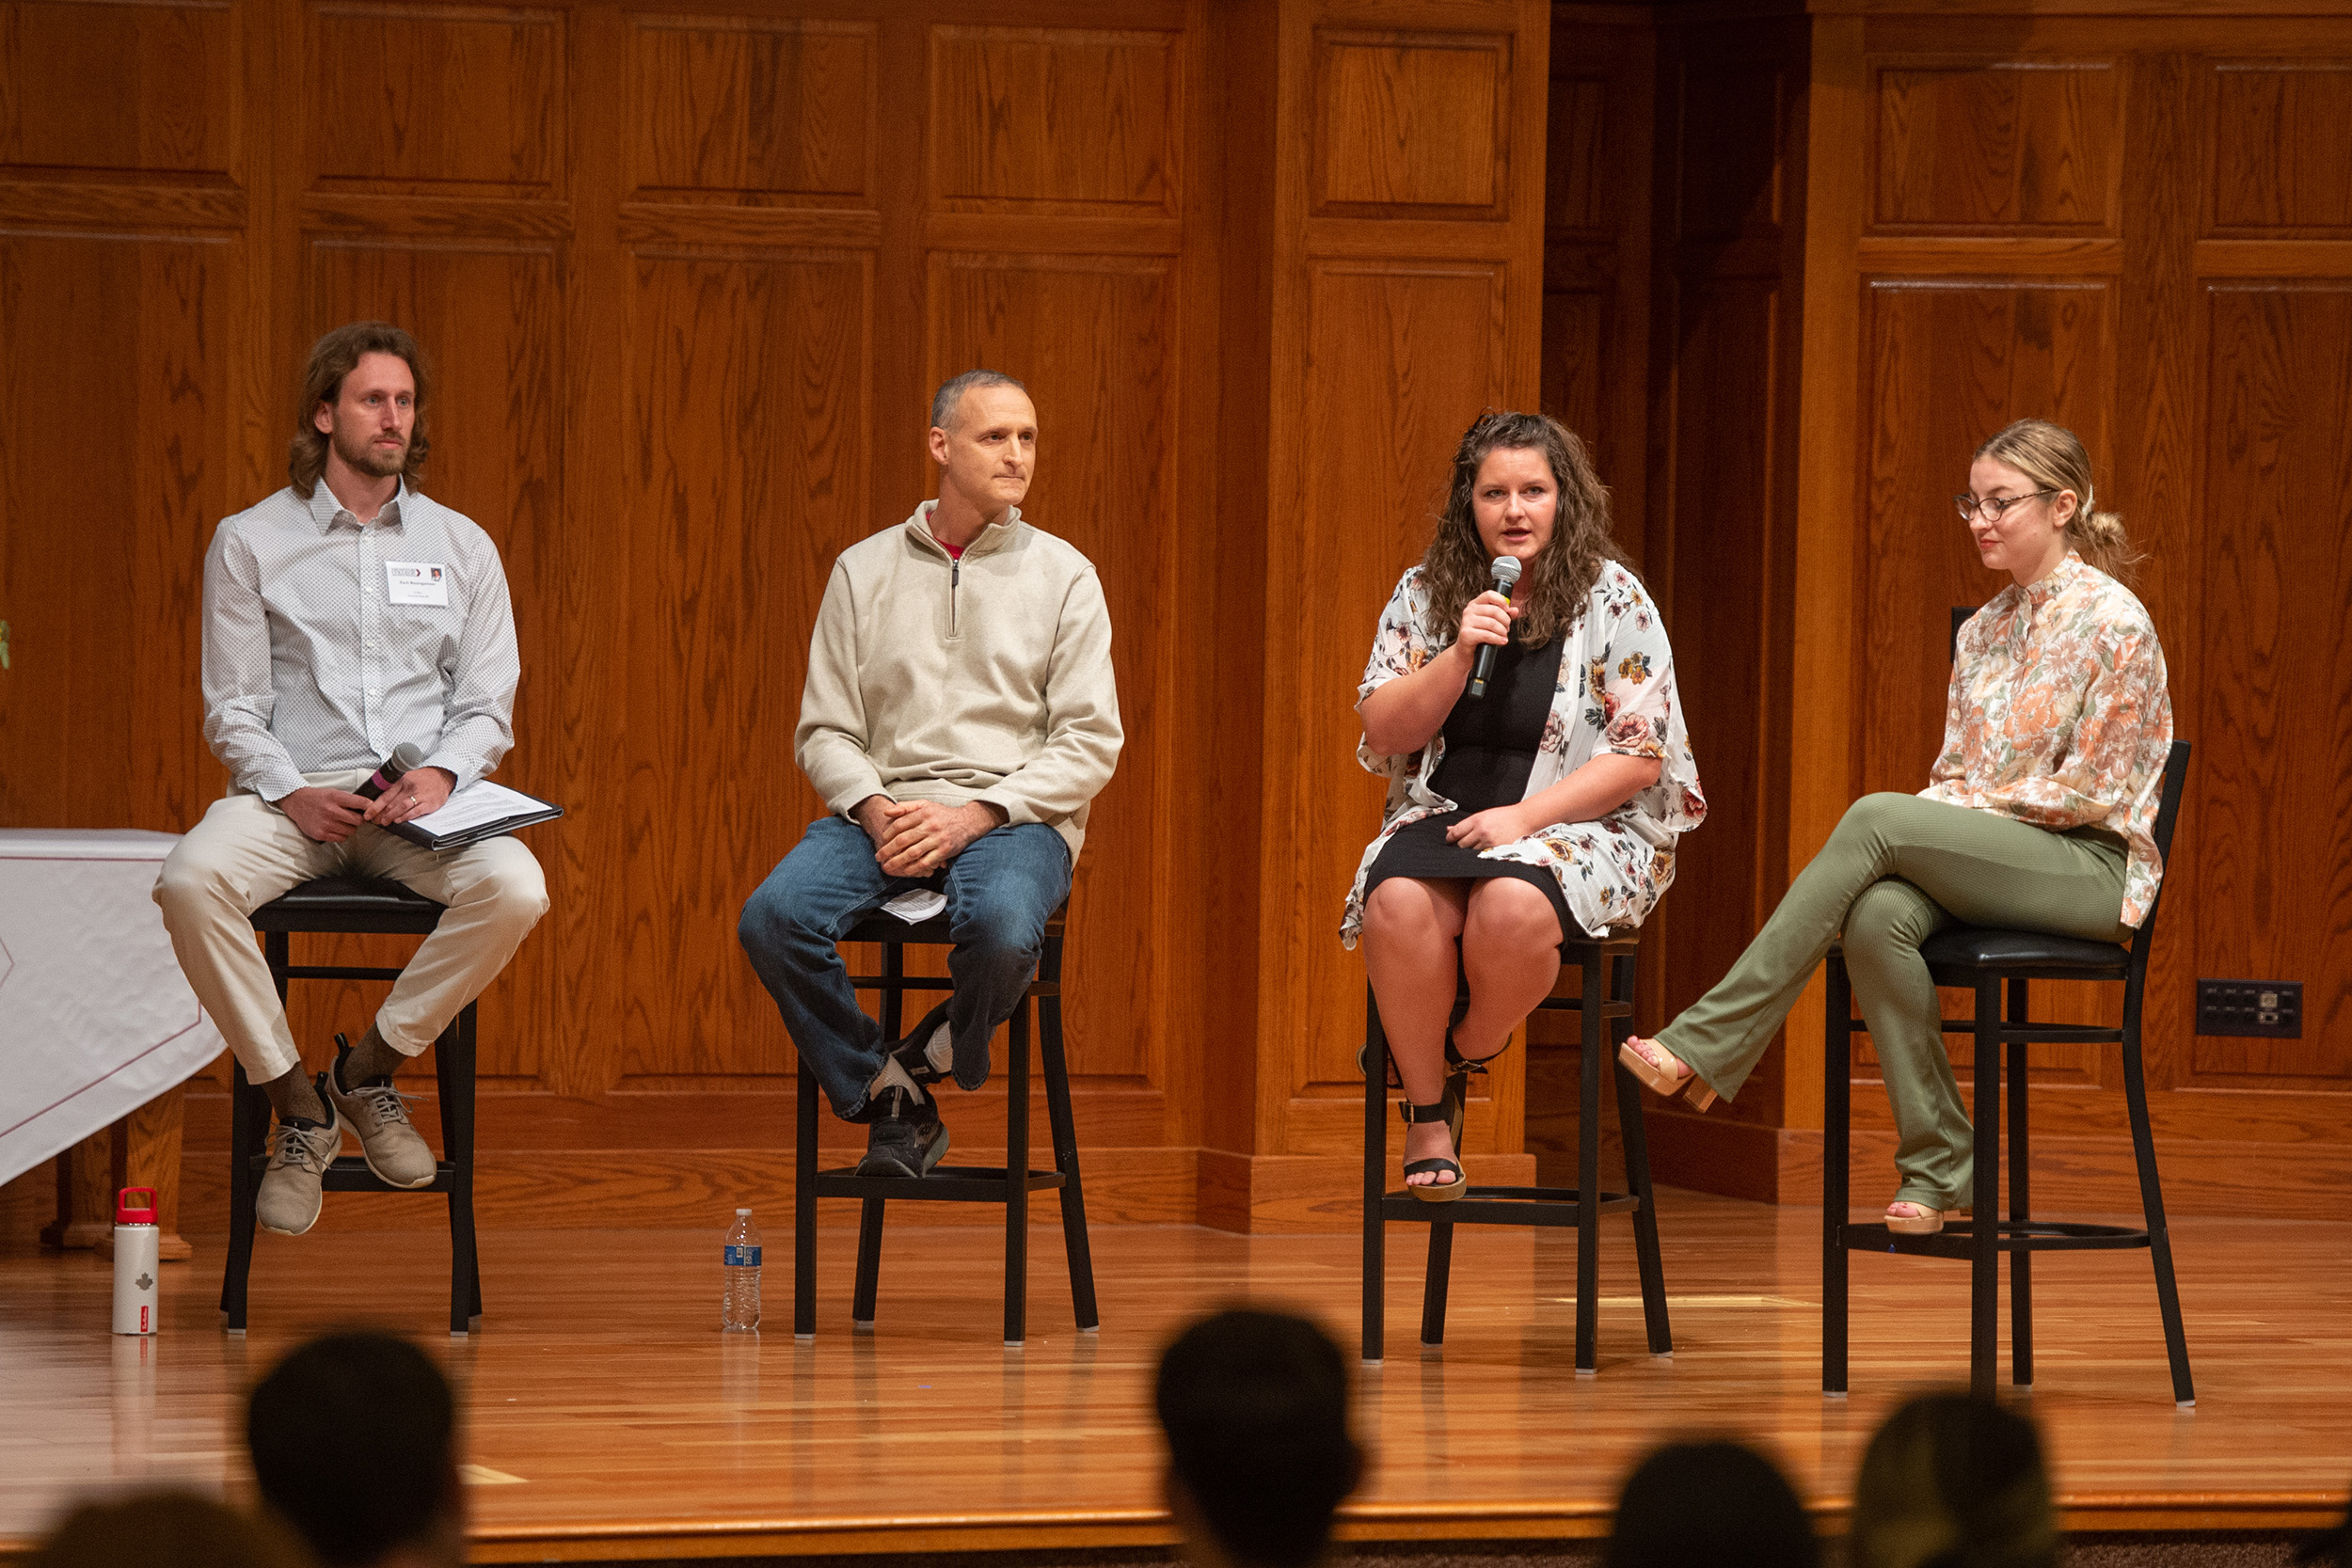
(1896, 869)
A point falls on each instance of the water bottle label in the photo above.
(742, 1258)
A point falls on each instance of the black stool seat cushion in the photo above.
(1978, 947)
(349, 904)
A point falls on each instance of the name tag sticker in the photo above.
(416, 583)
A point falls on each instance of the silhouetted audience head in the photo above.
(354, 1444)
(1709, 1505)
(165, 1530)
(1259, 1453)
(1954, 1482)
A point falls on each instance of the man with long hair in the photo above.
(344, 616)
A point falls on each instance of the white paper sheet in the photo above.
(479, 803)
(917, 905)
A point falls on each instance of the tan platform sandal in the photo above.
(1664, 1072)
(1917, 1219)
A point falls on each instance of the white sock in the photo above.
(941, 1051)
(893, 1076)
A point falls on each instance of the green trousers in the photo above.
(1896, 870)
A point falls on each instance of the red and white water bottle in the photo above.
(137, 1257)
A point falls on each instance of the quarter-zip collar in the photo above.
(990, 538)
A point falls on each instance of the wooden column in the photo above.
(1400, 214)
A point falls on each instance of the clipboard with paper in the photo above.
(481, 810)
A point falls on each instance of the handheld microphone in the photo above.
(403, 757)
(1506, 571)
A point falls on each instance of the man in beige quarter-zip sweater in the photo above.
(959, 715)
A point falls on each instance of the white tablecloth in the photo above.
(95, 1016)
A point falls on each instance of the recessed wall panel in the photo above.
(1412, 124)
(2019, 145)
(745, 466)
(754, 107)
(1047, 119)
(437, 96)
(2282, 155)
(2269, 801)
(133, 87)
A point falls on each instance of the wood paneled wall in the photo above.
(1879, 235)
(2137, 227)
(689, 278)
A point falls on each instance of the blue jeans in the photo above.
(1000, 893)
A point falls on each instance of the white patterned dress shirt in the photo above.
(308, 665)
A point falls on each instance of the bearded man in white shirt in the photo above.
(344, 615)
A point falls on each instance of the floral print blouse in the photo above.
(2058, 716)
(1616, 693)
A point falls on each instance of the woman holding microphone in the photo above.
(1548, 802)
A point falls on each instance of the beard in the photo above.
(359, 455)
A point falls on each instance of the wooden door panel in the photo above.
(746, 475)
(2270, 788)
(114, 410)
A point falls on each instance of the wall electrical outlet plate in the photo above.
(2270, 1008)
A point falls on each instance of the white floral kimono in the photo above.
(1616, 693)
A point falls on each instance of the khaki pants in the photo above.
(245, 853)
(1896, 870)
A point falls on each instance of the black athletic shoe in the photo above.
(907, 1138)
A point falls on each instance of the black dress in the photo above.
(1490, 745)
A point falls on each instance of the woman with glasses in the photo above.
(2038, 816)
(1545, 798)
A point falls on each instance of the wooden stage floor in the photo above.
(609, 1418)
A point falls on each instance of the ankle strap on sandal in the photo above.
(1415, 1114)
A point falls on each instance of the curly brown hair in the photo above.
(333, 357)
(1558, 580)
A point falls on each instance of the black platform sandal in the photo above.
(1434, 1192)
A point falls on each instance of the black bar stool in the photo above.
(1602, 969)
(333, 905)
(1983, 960)
(1009, 1184)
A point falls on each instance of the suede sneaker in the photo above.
(300, 1151)
(393, 1147)
(907, 1138)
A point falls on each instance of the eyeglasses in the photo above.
(1992, 506)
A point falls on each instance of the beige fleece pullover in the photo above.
(987, 678)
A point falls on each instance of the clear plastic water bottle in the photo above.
(738, 1304)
